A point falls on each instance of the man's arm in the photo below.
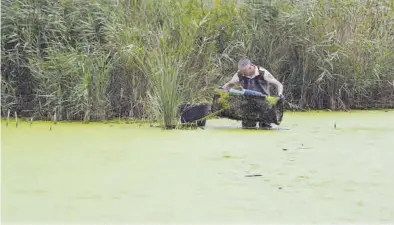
(234, 80)
(271, 80)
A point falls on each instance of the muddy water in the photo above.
(307, 171)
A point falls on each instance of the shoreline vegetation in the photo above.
(105, 60)
(13, 121)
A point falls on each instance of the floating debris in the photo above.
(254, 175)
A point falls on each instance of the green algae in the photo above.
(125, 172)
(272, 100)
(224, 99)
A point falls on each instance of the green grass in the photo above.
(96, 60)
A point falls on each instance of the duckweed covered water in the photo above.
(307, 171)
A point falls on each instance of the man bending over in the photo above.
(256, 78)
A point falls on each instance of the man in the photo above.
(255, 78)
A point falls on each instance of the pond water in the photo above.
(304, 171)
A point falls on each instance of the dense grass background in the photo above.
(94, 60)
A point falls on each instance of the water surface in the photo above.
(306, 171)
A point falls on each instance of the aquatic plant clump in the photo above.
(223, 99)
(251, 108)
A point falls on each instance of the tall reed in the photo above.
(95, 60)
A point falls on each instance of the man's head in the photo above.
(245, 67)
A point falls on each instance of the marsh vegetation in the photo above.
(96, 60)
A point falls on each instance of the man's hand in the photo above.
(281, 98)
(272, 80)
(234, 80)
